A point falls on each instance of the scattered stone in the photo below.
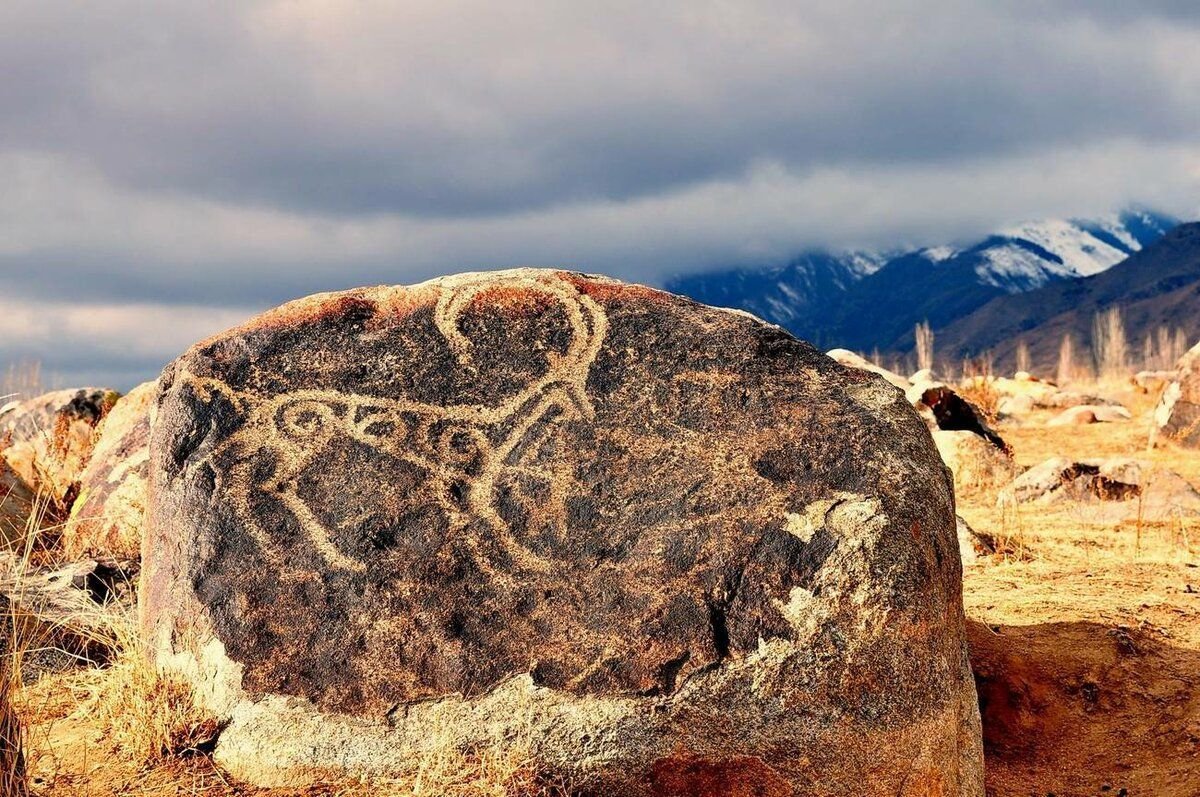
(48, 439)
(106, 518)
(973, 544)
(1086, 414)
(77, 608)
(945, 409)
(852, 360)
(923, 376)
(671, 545)
(1066, 398)
(1154, 381)
(1177, 416)
(976, 462)
(1014, 406)
(1126, 489)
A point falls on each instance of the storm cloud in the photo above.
(202, 161)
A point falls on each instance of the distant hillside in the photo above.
(866, 300)
(1158, 286)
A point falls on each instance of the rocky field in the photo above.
(742, 560)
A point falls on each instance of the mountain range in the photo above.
(976, 297)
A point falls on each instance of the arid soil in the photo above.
(1085, 640)
(1086, 644)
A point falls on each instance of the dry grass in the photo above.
(981, 393)
(21, 380)
(13, 778)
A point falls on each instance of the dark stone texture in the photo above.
(396, 495)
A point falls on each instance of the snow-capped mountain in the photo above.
(1030, 255)
(784, 294)
(863, 299)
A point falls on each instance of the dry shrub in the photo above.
(13, 781)
(495, 771)
(980, 392)
(149, 715)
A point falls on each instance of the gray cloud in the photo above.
(233, 155)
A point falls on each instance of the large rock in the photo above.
(48, 439)
(1118, 488)
(16, 506)
(1177, 416)
(106, 518)
(676, 549)
(978, 464)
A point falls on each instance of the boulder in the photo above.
(976, 462)
(973, 544)
(1014, 406)
(924, 375)
(48, 439)
(16, 506)
(106, 518)
(674, 548)
(1067, 398)
(1036, 389)
(852, 360)
(1177, 416)
(1121, 488)
(943, 408)
(1090, 413)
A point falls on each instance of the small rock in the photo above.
(973, 544)
(1088, 414)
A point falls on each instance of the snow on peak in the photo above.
(1081, 252)
(937, 254)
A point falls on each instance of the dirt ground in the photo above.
(1086, 645)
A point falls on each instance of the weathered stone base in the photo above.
(620, 747)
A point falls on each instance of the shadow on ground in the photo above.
(1081, 708)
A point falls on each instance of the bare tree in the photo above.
(1162, 337)
(1022, 356)
(1148, 358)
(1066, 357)
(1110, 346)
(924, 337)
(1179, 348)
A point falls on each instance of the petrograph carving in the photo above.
(469, 451)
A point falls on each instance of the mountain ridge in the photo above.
(865, 300)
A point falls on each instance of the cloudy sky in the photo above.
(167, 169)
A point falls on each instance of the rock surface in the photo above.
(973, 544)
(16, 505)
(1177, 416)
(852, 360)
(106, 517)
(1122, 489)
(943, 408)
(678, 550)
(976, 462)
(48, 439)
